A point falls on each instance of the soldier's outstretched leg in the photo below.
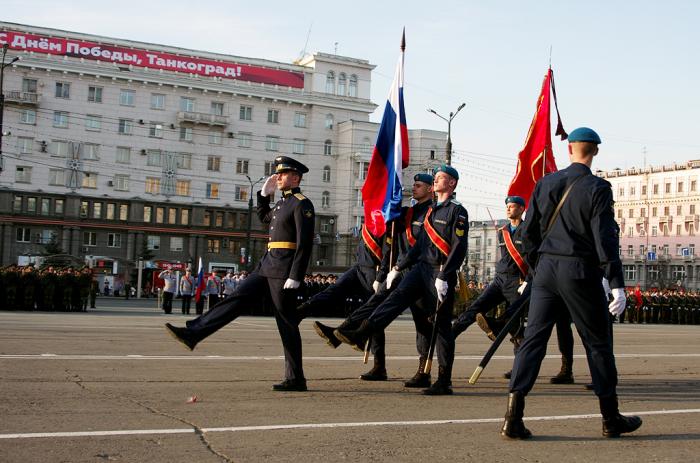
(565, 339)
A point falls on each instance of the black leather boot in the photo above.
(441, 386)
(304, 310)
(513, 426)
(357, 339)
(420, 379)
(182, 335)
(615, 424)
(565, 375)
(291, 385)
(326, 332)
(378, 371)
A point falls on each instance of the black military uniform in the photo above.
(290, 243)
(568, 259)
(439, 253)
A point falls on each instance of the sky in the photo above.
(629, 70)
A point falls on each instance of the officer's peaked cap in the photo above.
(285, 163)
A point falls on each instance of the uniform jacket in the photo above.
(506, 265)
(400, 241)
(291, 219)
(187, 285)
(169, 280)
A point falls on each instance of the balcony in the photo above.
(691, 218)
(22, 98)
(202, 118)
(689, 258)
(640, 257)
(666, 219)
(641, 220)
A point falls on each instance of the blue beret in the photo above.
(516, 200)
(584, 134)
(449, 170)
(425, 178)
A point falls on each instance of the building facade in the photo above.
(116, 149)
(658, 210)
(484, 250)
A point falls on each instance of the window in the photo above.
(157, 101)
(644, 190)
(17, 204)
(273, 116)
(95, 94)
(299, 119)
(185, 216)
(325, 199)
(680, 187)
(269, 168)
(25, 145)
(89, 238)
(679, 252)
(678, 230)
(692, 209)
(666, 209)
(58, 206)
(206, 220)
(633, 190)
(245, 140)
(89, 180)
(182, 187)
(62, 90)
(155, 130)
(186, 104)
(153, 185)
(326, 226)
(23, 174)
(630, 213)
(123, 155)
(621, 191)
(679, 210)
(655, 189)
(352, 89)
(183, 160)
(185, 133)
(114, 240)
(31, 204)
(153, 242)
(23, 235)
(111, 209)
(342, 84)
(241, 193)
(160, 214)
(123, 212)
(97, 210)
(693, 185)
(60, 119)
(241, 166)
(664, 249)
(654, 230)
(126, 97)
(246, 113)
(84, 207)
(219, 219)
(366, 146)
(176, 243)
(216, 137)
(630, 250)
(27, 116)
(125, 127)
(642, 212)
(91, 151)
(630, 272)
(214, 163)
(667, 188)
(214, 246)
(212, 190)
(326, 174)
(147, 213)
(217, 108)
(363, 167)
(328, 148)
(298, 146)
(172, 216)
(329, 121)
(271, 143)
(29, 85)
(330, 82)
(154, 158)
(653, 211)
(121, 182)
(358, 198)
(45, 206)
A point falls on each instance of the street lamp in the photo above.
(2, 95)
(250, 219)
(448, 147)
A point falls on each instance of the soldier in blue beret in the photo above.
(584, 135)
(449, 170)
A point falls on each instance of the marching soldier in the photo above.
(407, 230)
(435, 261)
(567, 238)
(278, 274)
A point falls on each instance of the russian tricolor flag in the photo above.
(201, 283)
(381, 192)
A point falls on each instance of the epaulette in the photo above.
(299, 196)
(455, 202)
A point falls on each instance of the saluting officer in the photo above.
(278, 274)
(570, 234)
(435, 261)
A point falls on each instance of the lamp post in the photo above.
(448, 147)
(250, 219)
(2, 97)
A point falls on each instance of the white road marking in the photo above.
(359, 424)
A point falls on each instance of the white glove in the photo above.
(291, 284)
(391, 277)
(270, 186)
(617, 306)
(521, 288)
(375, 286)
(441, 287)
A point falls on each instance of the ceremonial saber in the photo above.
(433, 337)
(523, 302)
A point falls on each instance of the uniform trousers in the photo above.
(250, 294)
(573, 285)
(418, 287)
(503, 288)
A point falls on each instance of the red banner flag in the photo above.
(537, 159)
